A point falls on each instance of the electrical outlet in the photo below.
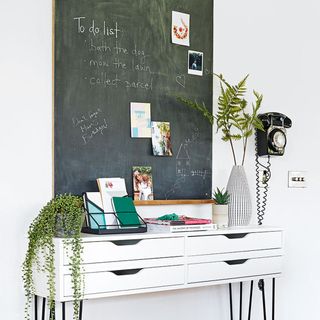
(263, 178)
(297, 179)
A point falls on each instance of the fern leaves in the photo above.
(232, 119)
(199, 107)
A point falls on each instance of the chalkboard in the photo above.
(110, 53)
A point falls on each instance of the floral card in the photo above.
(180, 29)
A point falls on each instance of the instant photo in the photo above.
(195, 63)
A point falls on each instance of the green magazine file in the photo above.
(126, 211)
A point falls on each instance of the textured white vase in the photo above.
(240, 206)
(220, 215)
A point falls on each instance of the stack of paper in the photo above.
(109, 188)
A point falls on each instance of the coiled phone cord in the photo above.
(261, 195)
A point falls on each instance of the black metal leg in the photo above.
(80, 311)
(52, 315)
(273, 297)
(261, 287)
(35, 307)
(230, 298)
(63, 311)
(250, 300)
(43, 308)
(240, 304)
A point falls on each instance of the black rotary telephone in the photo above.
(273, 140)
(270, 142)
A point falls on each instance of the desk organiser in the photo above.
(99, 222)
(113, 228)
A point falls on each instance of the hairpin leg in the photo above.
(35, 307)
(80, 311)
(43, 308)
(63, 311)
(250, 300)
(52, 313)
(273, 297)
(230, 299)
(261, 287)
(240, 304)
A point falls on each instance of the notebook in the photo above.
(126, 211)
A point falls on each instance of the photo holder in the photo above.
(95, 222)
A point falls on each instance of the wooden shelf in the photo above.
(171, 202)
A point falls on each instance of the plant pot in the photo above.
(240, 206)
(220, 215)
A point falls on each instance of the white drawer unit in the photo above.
(130, 249)
(130, 279)
(229, 269)
(233, 242)
(129, 264)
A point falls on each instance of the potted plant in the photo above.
(60, 217)
(236, 124)
(220, 208)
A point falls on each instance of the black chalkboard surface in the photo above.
(111, 53)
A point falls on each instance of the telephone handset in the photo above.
(273, 140)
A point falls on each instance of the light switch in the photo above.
(297, 179)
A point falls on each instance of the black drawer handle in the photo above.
(235, 235)
(126, 242)
(234, 262)
(125, 272)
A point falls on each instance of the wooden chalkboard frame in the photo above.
(206, 195)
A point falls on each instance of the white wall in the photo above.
(25, 136)
(276, 42)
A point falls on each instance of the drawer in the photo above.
(121, 250)
(200, 245)
(233, 269)
(123, 280)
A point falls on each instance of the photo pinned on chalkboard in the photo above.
(142, 183)
(180, 28)
(195, 63)
(161, 138)
(140, 120)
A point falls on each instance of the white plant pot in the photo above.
(220, 215)
(240, 207)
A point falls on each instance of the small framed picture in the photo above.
(195, 62)
(142, 183)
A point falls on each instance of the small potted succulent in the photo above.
(220, 208)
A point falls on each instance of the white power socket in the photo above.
(297, 179)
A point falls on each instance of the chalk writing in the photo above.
(176, 187)
(201, 173)
(84, 25)
(90, 124)
(100, 47)
(181, 80)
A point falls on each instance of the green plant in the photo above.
(64, 212)
(220, 196)
(231, 117)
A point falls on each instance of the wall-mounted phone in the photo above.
(270, 142)
(273, 140)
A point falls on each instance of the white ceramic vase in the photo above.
(220, 215)
(240, 206)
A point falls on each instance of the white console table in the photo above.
(117, 265)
